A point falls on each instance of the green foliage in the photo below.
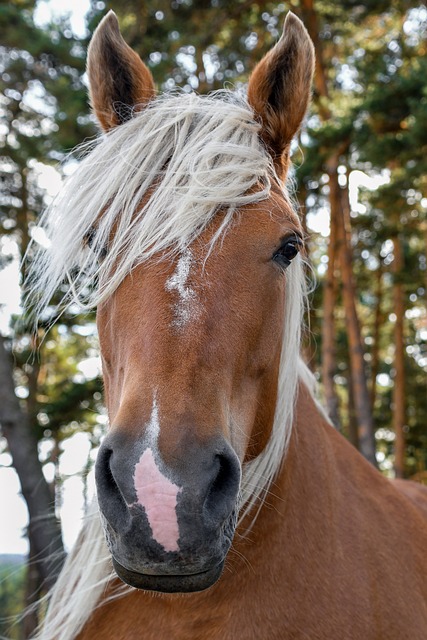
(198, 44)
(40, 69)
(43, 115)
(378, 112)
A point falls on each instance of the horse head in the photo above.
(195, 247)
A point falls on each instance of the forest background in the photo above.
(360, 181)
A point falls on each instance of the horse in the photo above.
(227, 504)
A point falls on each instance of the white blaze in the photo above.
(155, 492)
(153, 427)
(187, 306)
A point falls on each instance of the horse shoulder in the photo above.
(370, 534)
(415, 492)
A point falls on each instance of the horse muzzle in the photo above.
(168, 529)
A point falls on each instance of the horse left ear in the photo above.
(279, 89)
(119, 81)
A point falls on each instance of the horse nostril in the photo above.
(220, 501)
(110, 497)
(104, 476)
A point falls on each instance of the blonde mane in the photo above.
(185, 157)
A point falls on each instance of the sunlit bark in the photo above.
(352, 431)
(356, 350)
(329, 365)
(378, 320)
(399, 403)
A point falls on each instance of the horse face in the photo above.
(191, 345)
(191, 351)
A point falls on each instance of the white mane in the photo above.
(185, 157)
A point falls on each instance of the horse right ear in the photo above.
(279, 89)
(119, 81)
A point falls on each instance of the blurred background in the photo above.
(359, 178)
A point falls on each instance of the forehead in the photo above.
(227, 246)
(282, 209)
(266, 221)
(261, 224)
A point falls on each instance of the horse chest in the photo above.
(253, 606)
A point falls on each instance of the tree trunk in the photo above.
(425, 276)
(33, 588)
(309, 346)
(352, 433)
(44, 528)
(309, 16)
(356, 351)
(329, 364)
(399, 404)
(375, 359)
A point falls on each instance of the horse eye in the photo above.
(89, 239)
(287, 252)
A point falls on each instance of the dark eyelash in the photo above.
(288, 251)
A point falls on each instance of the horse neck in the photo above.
(311, 464)
(316, 480)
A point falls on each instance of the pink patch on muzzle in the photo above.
(158, 495)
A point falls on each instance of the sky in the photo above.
(76, 9)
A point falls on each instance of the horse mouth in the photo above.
(169, 583)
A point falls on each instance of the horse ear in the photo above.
(118, 79)
(279, 88)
